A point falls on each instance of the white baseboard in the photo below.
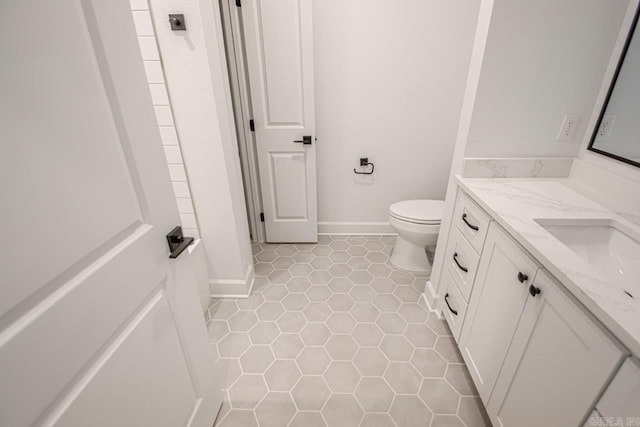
(356, 228)
(233, 288)
(430, 298)
(200, 272)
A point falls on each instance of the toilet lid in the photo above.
(418, 211)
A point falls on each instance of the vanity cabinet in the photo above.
(535, 355)
(556, 365)
(498, 298)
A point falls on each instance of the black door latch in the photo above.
(177, 242)
(306, 140)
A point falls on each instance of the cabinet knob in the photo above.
(534, 291)
(522, 277)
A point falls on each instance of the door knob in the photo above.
(522, 277)
(306, 140)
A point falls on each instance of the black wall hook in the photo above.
(364, 161)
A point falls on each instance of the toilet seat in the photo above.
(427, 212)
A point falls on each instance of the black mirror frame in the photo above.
(610, 92)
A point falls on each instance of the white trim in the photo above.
(233, 288)
(356, 228)
(431, 298)
(242, 110)
(200, 272)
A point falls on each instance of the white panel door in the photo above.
(279, 47)
(97, 326)
(557, 365)
(497, 300)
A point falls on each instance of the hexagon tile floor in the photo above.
(334, 336)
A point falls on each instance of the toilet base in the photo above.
(410, 257)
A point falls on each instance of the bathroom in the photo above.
(322, 213)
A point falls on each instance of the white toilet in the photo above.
(417, 223)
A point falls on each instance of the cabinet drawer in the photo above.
(455, 307)
(462, 262)
(471, 220)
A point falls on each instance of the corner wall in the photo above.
(198, 103)
(533, 61)
(164, 115)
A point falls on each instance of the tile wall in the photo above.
(162, 106)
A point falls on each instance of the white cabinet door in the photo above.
(622, 397)
(557, 364)
(497, 300)
(98, 327)
(279, 46)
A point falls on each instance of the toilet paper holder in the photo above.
(364, 161)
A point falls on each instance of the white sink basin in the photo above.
(607, 245)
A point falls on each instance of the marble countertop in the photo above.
(515, 203)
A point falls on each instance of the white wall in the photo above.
(195, 69)
(390, 77)
(533, 61)
(544, 59)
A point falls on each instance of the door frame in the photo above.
(243, 113)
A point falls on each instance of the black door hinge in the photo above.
(252, 125)
(261, 216)
(239, 3)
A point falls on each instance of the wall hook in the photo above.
(177, 22)
(364, 161)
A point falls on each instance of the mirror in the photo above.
(617, 133)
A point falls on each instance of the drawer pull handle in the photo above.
(471, 226)
(455, 312)
(534, 291)
(522, 277)
(455, 259)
